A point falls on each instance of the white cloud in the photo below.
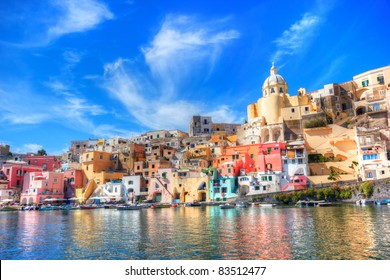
(78, 16)
(182, 45)
(294, 39)
(28, 148)
(182, 52)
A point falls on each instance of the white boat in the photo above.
(128, 207)
(267, 205)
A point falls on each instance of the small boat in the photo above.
(88, 206)
(267, 204)
(255, 204)
(364, 202)
(227, 206)
(9, 208)
(49, 207)
(325, 204)
(109, 206)
(155, 206)
(175, 205)
(128, 207)
(242, 204)
(193, 204)
(382, 202)
(70, 207)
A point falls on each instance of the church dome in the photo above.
(274, 83)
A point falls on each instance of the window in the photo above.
(382, 172)
(138, 167)
(285, 161)
(370, 157)
(217, 190)
(269, 178)
(300, 161)
(55, 180)
(306, 109)
(224, 190)
(264, 188)
(269, 150)
(337, 98)
(257, 188)
(293, 161)
(337, 105)
(7, 172)
(130, 183)
(272, 90)
(229, 170)
(330, 90)
(380, 80)
(101, 156)
(281, 90)
(369, 175)
(292, 110)
(365, 83)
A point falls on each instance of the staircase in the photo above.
(164, 187)
(91, 186)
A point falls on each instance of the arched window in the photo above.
(272, 90)
(281, 90)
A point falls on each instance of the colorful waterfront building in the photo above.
(73, 179)
(295, 166)
(14, 172)
(372, 154)
(136, 187)
(39, 187)
(48, 163)
(98, 168)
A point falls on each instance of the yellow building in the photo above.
(276, 116)
(171, 185)
(98, 168)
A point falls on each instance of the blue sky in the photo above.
(73, 70)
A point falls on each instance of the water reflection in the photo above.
(348, 232)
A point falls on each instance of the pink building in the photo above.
(48, 163)
(73, 179)
(39, 186)
(14, 175)
(251, 158)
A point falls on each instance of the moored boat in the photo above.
(88, 206)
(9, 208)
(242, 204)
(267, 205)
(193, 204)
(128, 207)
(227, 206)
(158, 205)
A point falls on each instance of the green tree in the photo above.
(41, 152)
(333, 174)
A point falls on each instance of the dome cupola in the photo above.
(274, 84)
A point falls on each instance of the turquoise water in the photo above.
(329, 233)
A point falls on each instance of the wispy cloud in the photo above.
(78, 16)
(330, 74)
(181, 48)
(294, 39)
(59, 18)
(182, 45)
(24, 106)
